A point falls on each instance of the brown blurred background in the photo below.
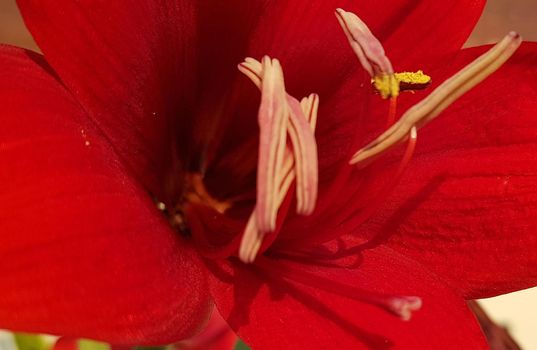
(12, 29)
(500, 17)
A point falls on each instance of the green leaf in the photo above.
(87, 344)
(152, 347)
(27, 341)
(241, 346)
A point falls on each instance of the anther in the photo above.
(304, 148)
(370, 53)
(298, 160)
(305, 157)
(410, 81)
(273, 119)
(441, 97)
(366, 46)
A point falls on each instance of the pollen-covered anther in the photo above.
(409, 81)
(387, 85)
(443, 96)
(370, 53)
(281, 118)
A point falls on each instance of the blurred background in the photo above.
(516, 311)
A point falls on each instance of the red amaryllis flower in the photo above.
(137, 106)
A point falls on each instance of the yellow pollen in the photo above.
(413, 78)
(387, 85)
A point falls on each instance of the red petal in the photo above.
(127, 63)
(131, 65)
(65, 343)
(274, 313)
(217, 335)
(466, 207)
(85, 252)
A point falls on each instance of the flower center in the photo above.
(288, 152)
(194, 192)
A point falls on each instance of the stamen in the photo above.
(252, 238)
(411, 146)
(387, 85)
(441, 98)
(304, 146)
(305, 153)
(401, 306)
(374, 60)
(413, 80)
(300, 161)
(251, 241)
(310, 106)
(273, 118)
(392, 111)
(380, 198)
(370, 53)
(366, 46)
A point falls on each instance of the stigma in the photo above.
(287, 152)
